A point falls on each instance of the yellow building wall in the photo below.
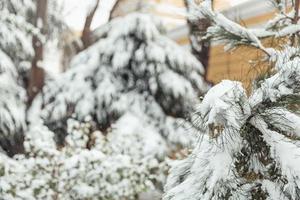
(238, 64)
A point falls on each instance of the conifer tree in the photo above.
(248, 146)
(132, 70)
(16, 53)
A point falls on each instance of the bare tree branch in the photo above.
(116, 5)
(295, 20)
(86, 33)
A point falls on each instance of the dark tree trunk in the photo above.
(294, 37)
(37, 74)
(297, 4)
(200, 47)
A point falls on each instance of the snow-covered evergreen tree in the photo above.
(15, 40)
(15, 54)
(135, 87)
(132, 70)
(248, 146)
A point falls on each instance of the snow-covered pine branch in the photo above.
(280, 5)
(248, 147)
(223, 29)
(233, 34)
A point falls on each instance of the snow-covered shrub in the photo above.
(89, 166)
(248, 147)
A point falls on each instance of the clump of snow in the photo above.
(217, 108)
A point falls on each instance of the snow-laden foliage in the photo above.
(12, 96)
(89, 166)
(15, 52)
(233, 34)
(284, 16)
(12, 107)
(132, 69)
(16, 31)
(16, 36)
(249, 147)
